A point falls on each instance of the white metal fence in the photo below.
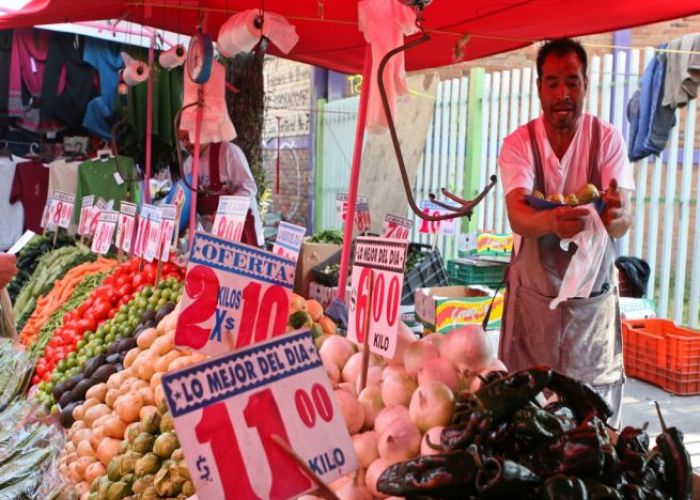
(665, 204)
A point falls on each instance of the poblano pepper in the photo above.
(562, 487)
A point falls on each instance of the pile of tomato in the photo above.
(102, 304)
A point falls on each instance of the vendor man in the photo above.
(559, 152)
(223, 168)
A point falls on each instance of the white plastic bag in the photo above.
(584, 266)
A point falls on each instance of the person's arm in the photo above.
(617, 176)
(8, 269)
(564, 222)
(242, 181)
(617, 215)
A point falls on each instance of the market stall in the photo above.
(165, 378)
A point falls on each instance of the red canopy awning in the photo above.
(328, 31)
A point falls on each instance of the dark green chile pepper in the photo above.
(578, 452)
(563, 412)
(580, 397)
(676, 463)
(632, 439)
(538, 424)
(444, 475)
(502, 478)
(636, 492)
(599, 491)
(563, 488)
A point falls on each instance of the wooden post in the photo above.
(365, 344)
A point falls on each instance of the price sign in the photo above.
(289, 240)
(85, 214)
(152, 236)
(104, 232)
(63, 209)
(125, 228)
(379, 264)
(444, 227)
(363, 220)
(144, 228)
(235, 295)
(100, 206)
(230, 217)
(46, 215)
(167, 229)
(396, 227)
(227, 410)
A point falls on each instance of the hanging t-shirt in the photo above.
(11, 214)
(29, 187)
(63, 176)
(106, 59)
(97, 177)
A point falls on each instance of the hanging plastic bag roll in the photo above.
(173, 58)
(242, 31)
(135, 71)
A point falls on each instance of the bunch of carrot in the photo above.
(59, 294)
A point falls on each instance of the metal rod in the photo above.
(149, 120)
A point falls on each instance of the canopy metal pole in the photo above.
(355, 172)
(195, 169)
(149, 121)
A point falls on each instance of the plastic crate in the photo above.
(659, 352)
(465, 273)
(430, 271)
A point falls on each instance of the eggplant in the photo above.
(150, 324)
(112, 358)
(103, 373)
(65, 399)
(93, 364)
(79, 390)
(148, 315)
(126, 344)
(113, 347)
(67, 415)
(59, 389)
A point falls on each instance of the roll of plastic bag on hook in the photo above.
(243, 31)
(135, 71)
(173, 58)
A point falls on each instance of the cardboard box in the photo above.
(441, 309)
(324, 294)
(485, 243)
(310, 255)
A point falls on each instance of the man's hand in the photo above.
(567, 222)
(8, 269)
(616, 216)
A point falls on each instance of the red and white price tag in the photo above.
(445, 227)
(235, 295)
(363, 220)
(143, 230)
(85, 214)
(230, 217)
(379, 264)
(226, 411)
(100, 206)
(125, 228)
(104, 232)
(167, 229)
(152, 236)
(396, 227)
(63, 209)
(46, 216)
(289, 240)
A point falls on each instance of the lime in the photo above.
(110, 338)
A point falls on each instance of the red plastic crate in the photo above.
(659, 352)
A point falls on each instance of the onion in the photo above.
(392, 369)
(435, 338)
(352, 369)
(417, 354)
(373, 472)
(347, 387)
(388, 416)
(365, 445)
(353, 412)
(341, 481)
(371, 400)
(431, 405)
(333, 372)
(398, 388)
(467, 348)
(433, 436)
(354, 490)
(400, 441)
(404, 338)
(439, 370)
(374, 377)
(336, 349)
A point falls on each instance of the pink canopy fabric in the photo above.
(330, 38)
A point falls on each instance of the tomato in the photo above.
(138, 280)
(125, 289)
(101, 310)
(87, 325)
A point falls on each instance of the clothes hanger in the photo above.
(5, 149)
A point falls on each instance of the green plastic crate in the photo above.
(463, 273)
